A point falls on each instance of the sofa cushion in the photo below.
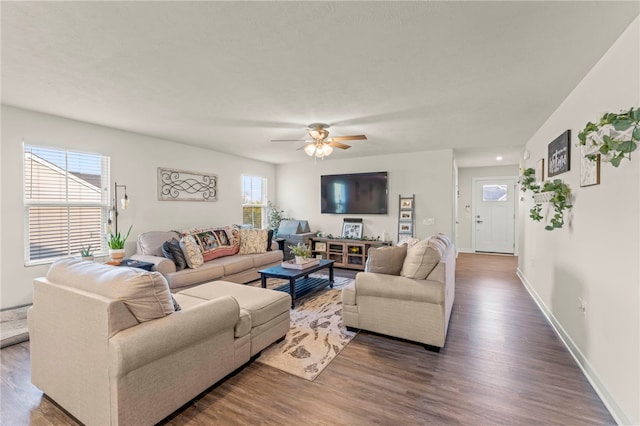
(172, 251)
(386, 260)
(191, 251)
(151, 242)
(422, 258)
(262, 304)
(217, 242)
(234, 264)
(146, 294)
(253, 241)
(207, 272)
(263, 259)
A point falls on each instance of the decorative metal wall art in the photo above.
(183, 185)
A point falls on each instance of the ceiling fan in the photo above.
(321, 145)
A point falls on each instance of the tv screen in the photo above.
(358, 193)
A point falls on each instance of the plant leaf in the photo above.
(636, 132)
(622, 123)
(615, 161)
(628, 146)
(635, 114)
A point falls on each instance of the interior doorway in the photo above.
(494, 214)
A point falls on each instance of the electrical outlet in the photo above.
(582, 306)
(429, 221)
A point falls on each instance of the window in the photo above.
(64, 204)
(254, 201)
(494, 192)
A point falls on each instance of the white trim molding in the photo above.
(592, 376)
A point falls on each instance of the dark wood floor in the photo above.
(502, 364)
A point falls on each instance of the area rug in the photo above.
(316, 337)
(13, 326)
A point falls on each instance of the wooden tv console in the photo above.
(348, 253)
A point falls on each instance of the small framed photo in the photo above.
(540, 170)
(406, 203)
(406, 215)
(321, 246)
(406, 228)
(589, 169)
(352, 230)
(318, 256)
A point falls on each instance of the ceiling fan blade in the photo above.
(339, 145)
(348, 138)
(303, 146)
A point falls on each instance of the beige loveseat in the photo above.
(408, 308)
(239, 268)
(109, 347)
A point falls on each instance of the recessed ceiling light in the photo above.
(499, 158)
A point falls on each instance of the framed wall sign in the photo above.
(559, 155)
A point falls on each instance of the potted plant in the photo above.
(559, 195)
(275, 215)
(614, 137)
(86, 253)
(301, 251)
(116, 245)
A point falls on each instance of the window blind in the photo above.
(66, 202)
(254, 200)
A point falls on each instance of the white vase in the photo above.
(300, 260)
(116, 254)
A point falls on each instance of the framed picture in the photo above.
(406, 215)
(406, 228)
(321, 247)
(589, 169)
(406, 203)
(558, 157)
(352, 230)
(540, 170)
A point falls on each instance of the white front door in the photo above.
(494, 216)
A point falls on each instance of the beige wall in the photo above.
(596, 256)
(426, 174)
(465, 188)
(134, 162)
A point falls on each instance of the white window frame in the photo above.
(263, 202)
(99, 243)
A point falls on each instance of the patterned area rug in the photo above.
(316, 337)
(13, 326)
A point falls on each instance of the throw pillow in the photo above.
(191, 251)
(386, 260)
(172, 251)
(176, 305)
(269, 239)
(421, 259)
(217, 242)
(253, 241)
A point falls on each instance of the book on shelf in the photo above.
(291, 264)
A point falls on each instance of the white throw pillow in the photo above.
(421, 259)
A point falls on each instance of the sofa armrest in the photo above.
(160, 264)
(153, 340)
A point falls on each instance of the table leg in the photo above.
(263, 280)
(331, 275)
(292, 291)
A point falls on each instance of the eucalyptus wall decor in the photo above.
(615, 136)
(555, 192)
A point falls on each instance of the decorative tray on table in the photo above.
(291, 264)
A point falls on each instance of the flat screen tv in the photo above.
(358, 193)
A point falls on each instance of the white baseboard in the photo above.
(592, 376)
(466, 250)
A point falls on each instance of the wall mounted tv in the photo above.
(358, 193)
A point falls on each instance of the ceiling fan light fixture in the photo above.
(328, 149)
(310, 149)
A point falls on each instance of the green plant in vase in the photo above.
(301, 252)
(86, 252)
(560, 198)
(116, 245)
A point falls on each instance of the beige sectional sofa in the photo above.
(239, 268)
(416, 309)
(108, 345)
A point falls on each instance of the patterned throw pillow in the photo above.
(172, 251)
(191, 251)
(215, 242)
(253, 241)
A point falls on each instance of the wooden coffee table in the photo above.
(300, 283)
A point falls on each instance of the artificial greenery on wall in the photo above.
(615, 136)
(559, 196)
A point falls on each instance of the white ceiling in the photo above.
(477, 77)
